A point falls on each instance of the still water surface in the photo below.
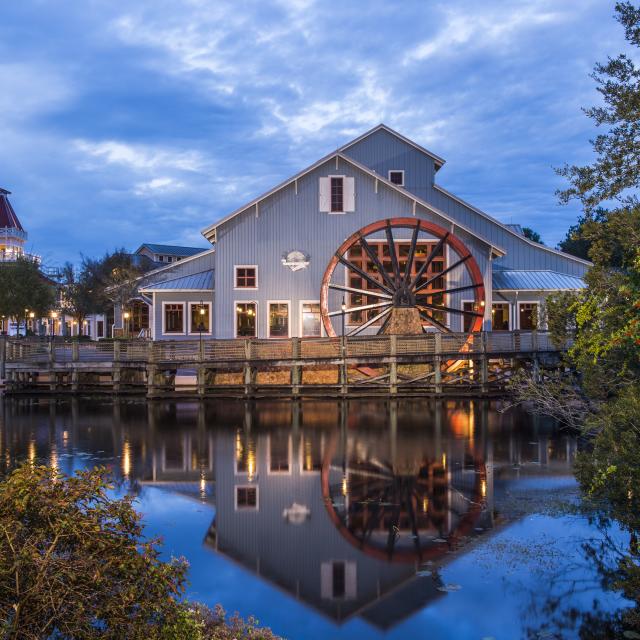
(366, 519)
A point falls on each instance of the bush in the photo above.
(74, 564)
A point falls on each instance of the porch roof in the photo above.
(202, 281)
(508, 280)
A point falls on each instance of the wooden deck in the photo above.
(430, 364)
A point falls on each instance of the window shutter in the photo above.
(350, 580)
(326, 578)
(349, 194)
(324, 190)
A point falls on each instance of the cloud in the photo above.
(482, 28)
(141, 157)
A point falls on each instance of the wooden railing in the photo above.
(42, 351)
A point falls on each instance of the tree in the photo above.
(527, 232)
(79, 296)
(617, 149)
(24, 289)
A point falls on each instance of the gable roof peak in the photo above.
(438, 161)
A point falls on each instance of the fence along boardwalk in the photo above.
(432, 363)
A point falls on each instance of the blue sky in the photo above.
(150, 119)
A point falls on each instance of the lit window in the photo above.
(468, 320)
(500, 316)
(279, 452)
(278, 320)
(337, 194)
(246, 278)
(246, 497)
(246, 319)
(200, 318)
(174, 318)
(311, 319)
(528, 316)
(397, 177)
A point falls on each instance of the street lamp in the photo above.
(201, 313)
(54, 315)
(126, 315)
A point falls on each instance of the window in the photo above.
(246, 277)
(279, 452)
(397, 177)
(247, 498)
(246, 313)
(311, 449)
(528, 316)
(100, 329)
(467, 321)
(200, 314)
(311, 323)
(337, 194)
(432, 291)
(338, 580)
(278, 319)
(173, 318)
(500, 316)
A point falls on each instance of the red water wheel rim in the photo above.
(400, 288)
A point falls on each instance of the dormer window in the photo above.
(397, 177)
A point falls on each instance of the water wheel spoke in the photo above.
(412, 253)
(369, 322)
(428, 261)
(431, 320)
(461, 312)
(379, 266)
(363, 274)
(424, 285)
(464, 288)
(366, 292)
(384, 325)
(392, 251)
(363, 307)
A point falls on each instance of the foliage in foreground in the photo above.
(74, 564)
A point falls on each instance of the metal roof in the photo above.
(171, 249)
(507, 280)
(8, 217)
(202, 281)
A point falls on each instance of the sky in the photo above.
(148, 120)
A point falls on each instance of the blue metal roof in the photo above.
(172, 249)
(202, 281)
(507, 280)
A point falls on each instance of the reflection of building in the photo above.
(262, 466)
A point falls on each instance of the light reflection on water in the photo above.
(330, 520)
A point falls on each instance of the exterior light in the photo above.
(54, 314)
(344, 305)
(201, 312)
(126, 315)
(239, 309)
(32, 315)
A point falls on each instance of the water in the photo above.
(370, 519)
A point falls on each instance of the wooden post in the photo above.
(295, 369)
(343, 365)
(484, 364)
(437, 361)
(151, 371)
(115, 371)
(248, 372)
(75, 358)
(3, 357)
(393, 365)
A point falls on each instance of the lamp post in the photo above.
(54, 315)
(201, 313)
(126, 315)
(32, 321)
(343, 345)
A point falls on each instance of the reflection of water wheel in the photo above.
(404, 280)
(400, 517)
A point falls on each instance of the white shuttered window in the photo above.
(344, 192)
